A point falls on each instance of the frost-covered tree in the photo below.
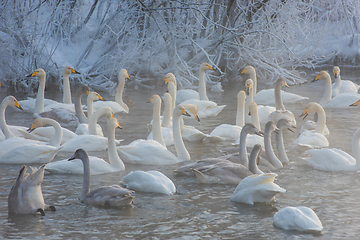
(153, 37)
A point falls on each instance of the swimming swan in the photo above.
(313, 138)
(109, 196)
(182, 94)
(342, 86)
(257, 188)
(9, 131)
(97, 165)
(150, 181)
(302, 219)
(26, 196)
(118, 105)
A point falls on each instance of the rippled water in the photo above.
(196, 211)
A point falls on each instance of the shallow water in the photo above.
(196, 211)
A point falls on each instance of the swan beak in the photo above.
(32, 128)
(291, 130)
(260, 133)
(197, 118)
(166, 80)
(305, 113)
(243, 71)
(211, 67)
(74, 71)
(316, 78)
(248, 88)
(286, 85)
(249, 113)
(33, 74)
(184, 112)
(336, 73)
(150, 100)
(87, 92)
(355, 103)
(100, 97)
(118, 126)
(18, 105)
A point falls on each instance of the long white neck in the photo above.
(57, 138)
(328, 92)
(252, 76)
(279, 105)
(269, 150)
(280, 146)
(66, 89)
(90, 108)
(202, 86)
(240, 117)
(166, 122)
(39, 103)
(320, 127)
(94, 119)
(4, 128)
(114, 158)
(337, 85)
(86, 182)
(156, 126)
(182, 152)
(172, 90)
(119, 93)
(249, 99)
(78, 109)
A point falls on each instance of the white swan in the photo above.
(181, 94)
(228, 131)
(118, 105)
(263, 111)
(67, 117)
(156, 124)
(333, 159)
(33, 151)
(266, 96)
(313, 138)
(343, 100)
(97, 165)
(302, 219)
(281, 124)
(257, 188)
(109, 196)
(26, 196)
(151, 152)
(342, 86)
(150, 181)
(9, 131)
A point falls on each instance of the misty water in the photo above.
(195, 211)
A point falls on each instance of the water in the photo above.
(196, 211)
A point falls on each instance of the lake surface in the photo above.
(195, 211)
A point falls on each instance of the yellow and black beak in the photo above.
(17, 105)
(33, 74)
(197, 118)
(316, 78)
(336, 73)
(184, 112)
(305, 114)
(32, 128)
(74, 71)
(100, 97)
(243, 71)
(149, 101)
(248, 89)
(355, 103)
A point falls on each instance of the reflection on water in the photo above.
(196, 211)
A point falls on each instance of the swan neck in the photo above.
(78, 109)
(280, 147)
(183, 154)
(253, 167)
(119, 93)
(90, 108)
(202, 86)
(242, 149)
(320, 127)
(4, 128)
(66, 90)
(249, 99)
(278, 101)
(39, 104)
(93, 121)
(166, 122)
(270, 152)
(253, 76)
(114, 159)
(156, 127)
(328, 92)
(240, 113)
(57, 138)
(86, 182)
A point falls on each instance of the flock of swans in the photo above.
(247, 166)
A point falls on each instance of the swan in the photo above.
(302, 219)
(263, 111)
(313, 138)
(342, 86)
(248, 128)
(109, 196)
(37, 105)
(150, 181)
(333, 159)
(118, 105)
(156, 125)
(35, 152)
(25, 196)
(67, 117)
(280, 111)
(343, 100)
(266, 96)
(151, 152)
(269, 128)
(97, 165)
(168, 109)
(9, 131)
(257, 188)
(181, 95)
(228, 131)
(281, 124)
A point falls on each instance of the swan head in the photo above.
(206, 66)
(69, 70)
(80, 154)
(123, 74)
(11, 101)
(249, 85)
(113, 123)
(170, 78)
(282, 82)
(310, 108)
(250, 128)
(193, 109)
(285, 123)
(155, 99)
(323, 75)
(248, 70)
(336, 71)
(83, 89)
(241, 96)
(40, 73)
(270, 127)
(179, 110)
(252, 108)
(94, 96)
(40, 122)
